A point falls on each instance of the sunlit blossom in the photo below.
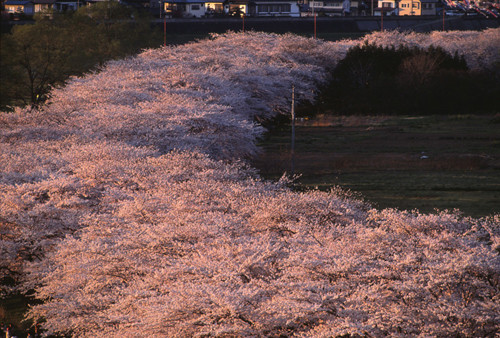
(128, 205)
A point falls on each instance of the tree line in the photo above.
(374, 79)
(37, 57)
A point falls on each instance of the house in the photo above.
(263, 8)
(258, 8)
(214, 8)
(19, 7)
(386, 7)
(331, 7)
(237, 7)
(429, 7)
(43, 5)
(184, 8)
(417, 7)
(68, 5)
(192, 8)
(410, 7)
(273, 8)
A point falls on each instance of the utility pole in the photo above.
(293, 130)
(315, 26)
(444, 12)
(164, 26)
(382, 18)
(314, 16)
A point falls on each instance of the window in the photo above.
(214, 7)
(274, 8)
(195, 7)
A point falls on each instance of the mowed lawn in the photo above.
(417, 162)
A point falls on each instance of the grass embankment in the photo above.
(423, 163)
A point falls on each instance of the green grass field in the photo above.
(424, 163)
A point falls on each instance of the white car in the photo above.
(454, 12)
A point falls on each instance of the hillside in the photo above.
(128, 205)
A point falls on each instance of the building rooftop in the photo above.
(18, 2)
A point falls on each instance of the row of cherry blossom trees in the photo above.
(128, 206)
